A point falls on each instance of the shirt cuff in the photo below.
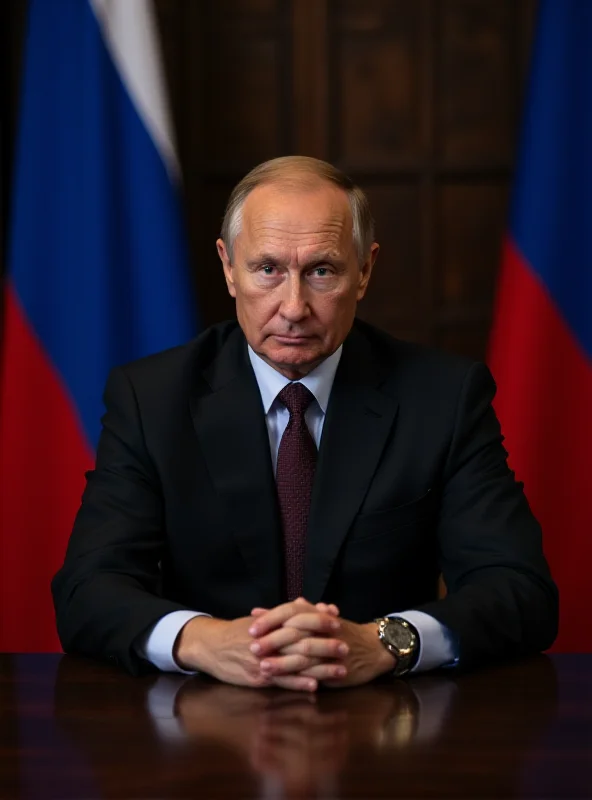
(157, 645)
(436, 642)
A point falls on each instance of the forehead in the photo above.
(277, 213)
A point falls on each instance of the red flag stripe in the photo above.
(544, 402)
(43, 458)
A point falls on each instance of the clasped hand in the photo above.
(296, 645)
(299, 644)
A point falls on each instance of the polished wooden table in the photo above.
(70, 728)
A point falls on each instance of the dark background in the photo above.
(418, 100)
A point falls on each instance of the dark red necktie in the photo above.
(297, 456)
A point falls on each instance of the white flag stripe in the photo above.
(130, 34)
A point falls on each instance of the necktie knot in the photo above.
(296, 397)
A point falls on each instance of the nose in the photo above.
(294, 306)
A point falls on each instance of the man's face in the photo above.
(295, 274)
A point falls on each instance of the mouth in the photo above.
(293, 340)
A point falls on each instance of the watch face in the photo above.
(399, 636)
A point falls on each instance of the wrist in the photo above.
(191, 650)
(385, 661)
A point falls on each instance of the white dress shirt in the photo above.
(436, 645)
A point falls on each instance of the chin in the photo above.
(298, 357)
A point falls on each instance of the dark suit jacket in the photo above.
(181, 509)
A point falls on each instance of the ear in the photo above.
(366, 270)
(227, 267)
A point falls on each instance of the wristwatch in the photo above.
(401, 639)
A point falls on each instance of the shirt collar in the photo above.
(319, 382)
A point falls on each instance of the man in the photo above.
(273, 503)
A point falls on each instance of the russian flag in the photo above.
(541, 343)
(97, 275)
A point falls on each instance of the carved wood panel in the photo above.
(377, 84)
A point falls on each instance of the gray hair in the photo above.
(299, 172)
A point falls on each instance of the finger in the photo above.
(295, 682)
(330, 608)
(317, 647)
(326, 672)
(275, 617)
(285, 665)
(276, 640)
(314, 622)
(257, 612)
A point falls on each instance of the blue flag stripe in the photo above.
(98, 251)
(552, 212)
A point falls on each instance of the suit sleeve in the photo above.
(501, 600)
(107, 593)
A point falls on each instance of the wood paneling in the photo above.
(419, 100)
(310, 116)
(376, 83)
(476, 76)
(395, 292)
(12, 32)
(469, 223)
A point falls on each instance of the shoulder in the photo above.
(176, 362)
(405, 357)
(413, 369)
(159, 386)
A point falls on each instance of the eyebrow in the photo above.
(263, 258)
(323, 256)
(313, 258)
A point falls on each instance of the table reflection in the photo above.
(299, 741)
(172, 736)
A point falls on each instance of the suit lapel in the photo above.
(359, 419)
(230, 424)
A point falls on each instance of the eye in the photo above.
(320, 272)
(267, 269)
